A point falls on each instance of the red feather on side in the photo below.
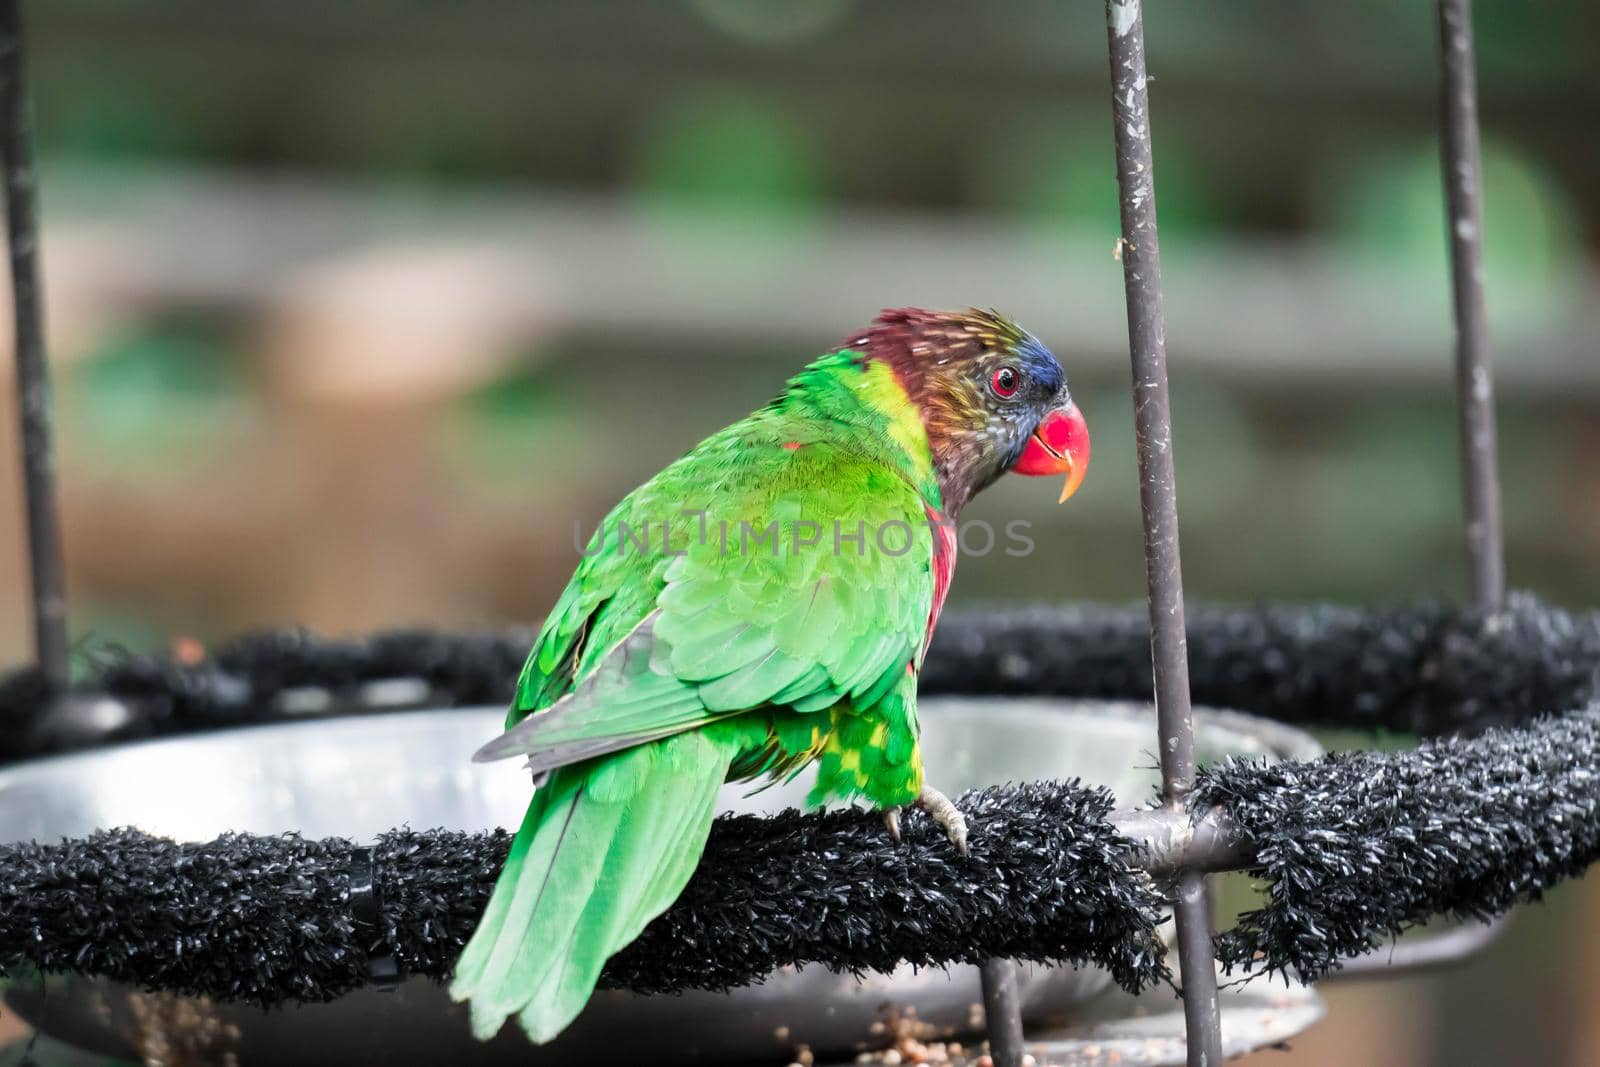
(944, 568)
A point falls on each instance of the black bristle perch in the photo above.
(268, 919)
(1359, 846)
(1426, 669)
(1353, 848)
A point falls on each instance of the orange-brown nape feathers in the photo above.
(981, 384)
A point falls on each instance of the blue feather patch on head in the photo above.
(1040, 364)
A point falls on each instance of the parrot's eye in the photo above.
(1005, 382)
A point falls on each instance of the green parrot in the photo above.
(761, 605)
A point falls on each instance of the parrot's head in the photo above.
(992, 398)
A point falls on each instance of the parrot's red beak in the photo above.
(1059, 446)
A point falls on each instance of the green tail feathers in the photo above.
(606, 846)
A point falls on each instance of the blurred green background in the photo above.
(359, 309)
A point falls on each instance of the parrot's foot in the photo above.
(946, 814)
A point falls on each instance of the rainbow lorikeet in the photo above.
(762, 604)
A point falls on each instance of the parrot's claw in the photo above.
(941, 809)
(946, 814)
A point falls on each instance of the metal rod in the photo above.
(1158, 498)
(1480, 475)
(1171, 840)
(33, 373)
(1480, 478)
(1002, 1011)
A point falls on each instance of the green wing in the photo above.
(796, 578)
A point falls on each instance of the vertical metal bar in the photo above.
(1158, 497)
(33, 374)
(1002, 1012)
(1141, 269)
(1480, 478)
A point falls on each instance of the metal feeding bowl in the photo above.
(358, 777)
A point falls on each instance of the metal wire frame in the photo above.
(1480, 476)
(1463, 186)
(1158, 500)
(33, 372)
(1175, 842)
